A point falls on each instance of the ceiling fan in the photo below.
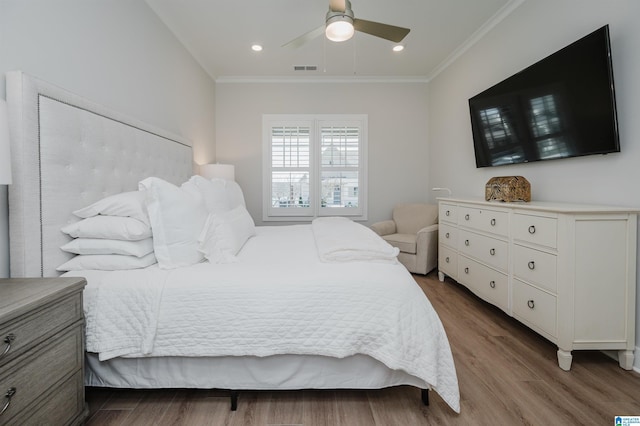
(340, 25)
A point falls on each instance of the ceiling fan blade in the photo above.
(337, 5)
(304, 38)
(388, 32)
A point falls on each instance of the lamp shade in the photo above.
(5, 153)
(217, 170)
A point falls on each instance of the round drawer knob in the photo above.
(466, 270)
(446, 235)
(492, 284)
(466, 216)
(447, 259)
(532, 265)
(466, 243)
(532, 229)
(493, 222)
(8, 395)
(447, 213)
(492, 252)
(531, 304)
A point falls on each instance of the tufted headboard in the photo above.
(67, 152)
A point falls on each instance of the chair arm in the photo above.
(427, 248)
(428, 229)
(385, 227)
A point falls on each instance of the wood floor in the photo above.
(508, 375)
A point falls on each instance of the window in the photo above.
(314, 165)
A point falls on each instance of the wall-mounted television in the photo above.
(562, 106)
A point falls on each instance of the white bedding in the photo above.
(280, 298)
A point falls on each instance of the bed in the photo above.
(280, 315)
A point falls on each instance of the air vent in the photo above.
(305, 67)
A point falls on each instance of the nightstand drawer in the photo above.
(33, 328)
(535, 307)
(447, 234)
(61, 406)
(45, 365)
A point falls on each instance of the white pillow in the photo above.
(213, 193)
(224, 235)
(105, 246)
(107, 262)
(177, 215)
(235, 196)
(111, 227)
(125, 204)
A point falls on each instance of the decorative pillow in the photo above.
(224, 235)
(107, 262)
(125, 204)
(104, 246)
(213, 193)
(235, 196)
(111, 227)
(177, 215)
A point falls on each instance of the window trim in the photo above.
(315, 208)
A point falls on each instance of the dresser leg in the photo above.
(625, 359)
(564, 359)
(441, 276)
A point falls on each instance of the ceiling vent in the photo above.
(305, 67)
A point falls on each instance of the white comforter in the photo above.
(278, 299)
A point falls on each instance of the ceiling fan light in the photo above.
(339, 28)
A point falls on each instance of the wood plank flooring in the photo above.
(508, 375)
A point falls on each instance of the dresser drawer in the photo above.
(535, 307)
(45, 365)
(447, 261)
(36, 327)
(489, 284)
(448, 212)
(485, 249)
(61, 406)
(536, 229)
(495, 222)
(536, 267)
(447, 234)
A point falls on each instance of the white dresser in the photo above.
(567, 271)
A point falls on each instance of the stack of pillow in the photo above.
(113, 233)
(174, 226)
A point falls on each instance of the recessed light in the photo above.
(256, 48)
(398, 48)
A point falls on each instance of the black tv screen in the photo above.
(562, 106)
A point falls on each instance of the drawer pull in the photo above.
(447, 259)
(492, 284)
(446, 235)
(532, 229)
(7, 340)
(466, 270)
(531, 304)
(466, 216)
(492, 252)
(447, 213)
(493, 222)
(466, 243)
(532, 265)
(8, 395)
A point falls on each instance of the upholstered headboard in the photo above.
(66, 153)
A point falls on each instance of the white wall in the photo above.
(398, 151)
(114, 52)
(534, 30)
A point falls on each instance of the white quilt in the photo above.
(278, 299)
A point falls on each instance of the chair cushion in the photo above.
(410, 218)
(405, 242)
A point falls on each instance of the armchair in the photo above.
(414, 230)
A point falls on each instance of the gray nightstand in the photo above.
(41, 351)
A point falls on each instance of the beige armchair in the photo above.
(414, 230)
